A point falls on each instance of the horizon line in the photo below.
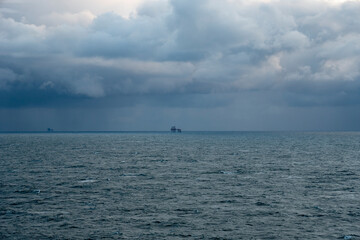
(165, 131)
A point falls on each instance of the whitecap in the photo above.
(88, 181)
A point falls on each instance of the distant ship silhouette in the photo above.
(174, 129)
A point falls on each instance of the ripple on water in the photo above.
(194, 186)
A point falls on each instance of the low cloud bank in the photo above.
(307, 51)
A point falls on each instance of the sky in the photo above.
(144, 65)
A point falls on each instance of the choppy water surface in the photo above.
(180, 186)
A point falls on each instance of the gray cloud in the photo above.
(181, 54)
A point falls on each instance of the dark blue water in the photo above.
(244, 185)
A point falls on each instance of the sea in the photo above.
(189, 185)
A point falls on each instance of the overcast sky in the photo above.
(199, 65)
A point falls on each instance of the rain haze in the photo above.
(200, 65)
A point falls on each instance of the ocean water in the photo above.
(193, 185)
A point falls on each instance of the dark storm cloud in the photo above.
(182, 53)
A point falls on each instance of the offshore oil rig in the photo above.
(173, 129)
